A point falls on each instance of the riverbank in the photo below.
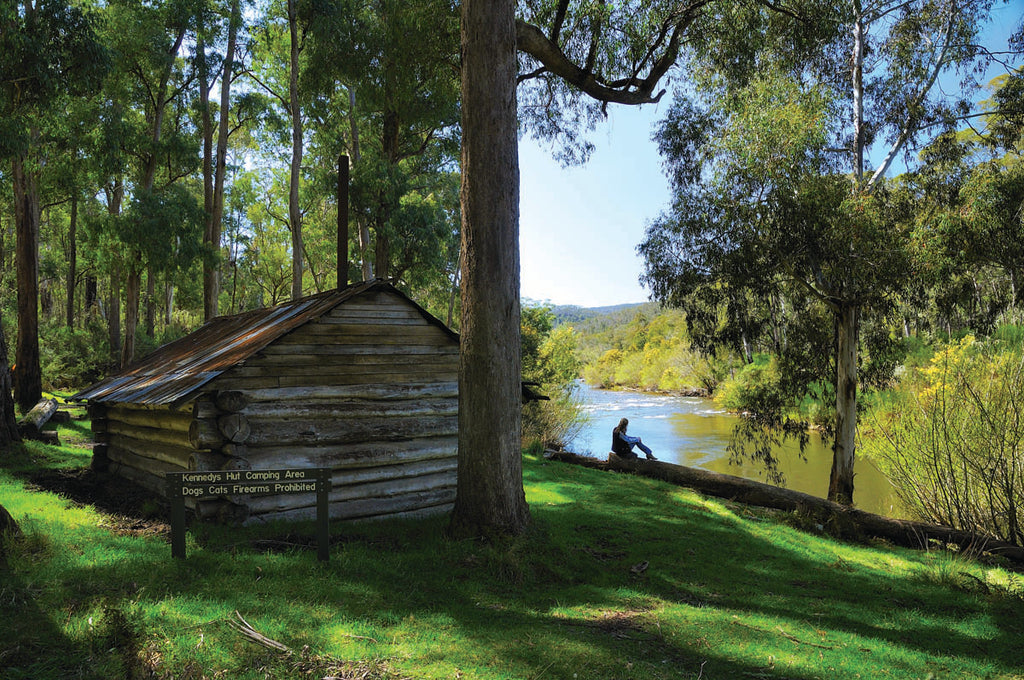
(620, 577)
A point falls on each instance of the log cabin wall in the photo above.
(369, 390)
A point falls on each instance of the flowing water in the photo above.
(694, 432)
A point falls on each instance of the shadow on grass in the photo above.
(623, 579)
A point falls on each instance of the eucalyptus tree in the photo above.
(803, 205)
(148, 90)
(214, 164)
(570, 55)
(48, 52)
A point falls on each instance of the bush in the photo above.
(73, 358)
(752, 387)
(955, 451)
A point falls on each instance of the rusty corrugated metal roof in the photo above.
(173, 373)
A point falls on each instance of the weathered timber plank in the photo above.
(182, 456)
(387, 489)
(356, 511)
(437, 339)
(153, 466)
(353, 408)
(342, 370)
(159, 418)
(343, 457)
(447, 389)
(269, 432)
(421, 468)
(433, 502)
(370, 360)
(348, 350)
(418, 331)
(228, 381)
(381, 378)
(150, 434)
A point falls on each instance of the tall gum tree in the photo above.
(48, 52)
(877, 78)
(574, 60)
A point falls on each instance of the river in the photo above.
(694, 432)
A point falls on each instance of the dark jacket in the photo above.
(620, 446)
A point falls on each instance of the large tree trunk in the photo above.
(490, 495)
(209, 267)
(840, 485)
(342, 221)
(294, 209)
(28, 379)
(8, 421)
(132, 289)
(150, 302)
(211, 290)
(362, 226)
(72, 260)
(114, 315)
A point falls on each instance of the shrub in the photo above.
(955, 451)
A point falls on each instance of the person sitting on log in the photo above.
(622, 443)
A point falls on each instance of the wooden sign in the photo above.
(196, 485)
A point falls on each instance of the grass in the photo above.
(619, 577)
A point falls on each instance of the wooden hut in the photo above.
(361, 380)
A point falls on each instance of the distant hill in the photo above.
(574, 314)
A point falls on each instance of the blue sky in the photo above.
(579, 226)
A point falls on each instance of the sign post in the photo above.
(197, 485)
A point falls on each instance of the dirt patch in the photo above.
(130, 510)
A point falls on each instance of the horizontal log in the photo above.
(164, 419)
(182, 456)
(356, 360)
(231, 401)
(340, 478)
(846, 522)
(234, 426)
(382, 372)
(360, 455)
(149, 434)
(407, 332)
(427, 502)
(153, 466)
(236, 464)
(381, 392)
(31, 424)
(99, 425)
(204, 434)
(96, 411)
(386, 380)
(384, 489)
(235, 450)
(427, 339)
(269, 432)
(356, 350)
(352, 408)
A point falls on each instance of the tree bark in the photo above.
(294, 209)
(211, 282)
(133, 285)
(362, 226)
(28, 379)
(72, 260)
(8, 422)
(490, 496)
(342, 221)
(209, 268)
(840, 485)
(150, 302)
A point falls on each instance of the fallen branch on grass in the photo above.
(250, 633)
(840, 520)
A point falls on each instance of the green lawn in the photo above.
(620, 577)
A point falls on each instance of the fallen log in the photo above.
(839, 520)
(31, 424)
